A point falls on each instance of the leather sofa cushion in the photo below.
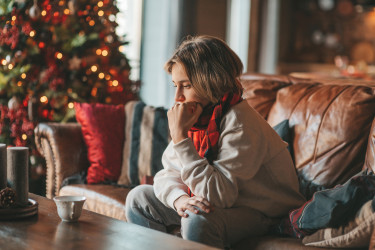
(260, 90)
(103, 199)
(331, 126)
(261, 94)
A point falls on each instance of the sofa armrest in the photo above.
(64, 150)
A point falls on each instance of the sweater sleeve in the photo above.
(168, 185)
(241, 153)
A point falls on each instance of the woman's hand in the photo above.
(192, 204)
(181, 117)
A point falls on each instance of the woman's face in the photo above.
(184, 90)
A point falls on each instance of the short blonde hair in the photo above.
(211, 66)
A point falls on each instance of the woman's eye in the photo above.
(187, 86)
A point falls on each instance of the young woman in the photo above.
(227, 174)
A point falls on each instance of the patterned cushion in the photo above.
(146, 137)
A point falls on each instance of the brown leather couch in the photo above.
(334, 138)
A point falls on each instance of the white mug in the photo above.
(69, 208)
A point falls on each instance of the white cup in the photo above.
(69, 208)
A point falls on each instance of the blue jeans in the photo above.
(220, 228)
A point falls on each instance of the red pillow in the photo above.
(103, 132)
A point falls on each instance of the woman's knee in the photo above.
(136, 199)
(197, 227)
(139, 195)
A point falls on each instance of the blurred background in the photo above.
(329, 38)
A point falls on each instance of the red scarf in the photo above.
(205, 133)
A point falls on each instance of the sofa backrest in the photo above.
(331, 121)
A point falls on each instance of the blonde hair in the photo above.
(211, 66)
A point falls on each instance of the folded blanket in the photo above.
(329, 208)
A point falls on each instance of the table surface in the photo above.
(92, 231)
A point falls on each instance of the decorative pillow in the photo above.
(103, 132)
(147, 136)
(355, 234)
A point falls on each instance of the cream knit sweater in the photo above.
(253, 168)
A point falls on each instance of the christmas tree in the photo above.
(54, 53)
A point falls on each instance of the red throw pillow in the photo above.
(103, 132)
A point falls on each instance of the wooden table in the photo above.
(93, 231)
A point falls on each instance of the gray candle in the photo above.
(3, 166)
(18, 173)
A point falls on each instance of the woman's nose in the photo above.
(179, 95)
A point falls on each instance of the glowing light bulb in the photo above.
(32, 33)
(43, 13)
(24, 137)
(94, 68)
(101, 75)
(43, 99)
(70, 105)
(98, 52)
(115, 83)
(100, 13)
(100, 4)
(10, 66)
(59, 55)
(94, 91)
(105, 52)
(23, 76)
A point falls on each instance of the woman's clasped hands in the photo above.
(194, 204)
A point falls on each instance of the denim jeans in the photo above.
(219, 228)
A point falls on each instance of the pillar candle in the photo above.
(18, 173)
(3, 166)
